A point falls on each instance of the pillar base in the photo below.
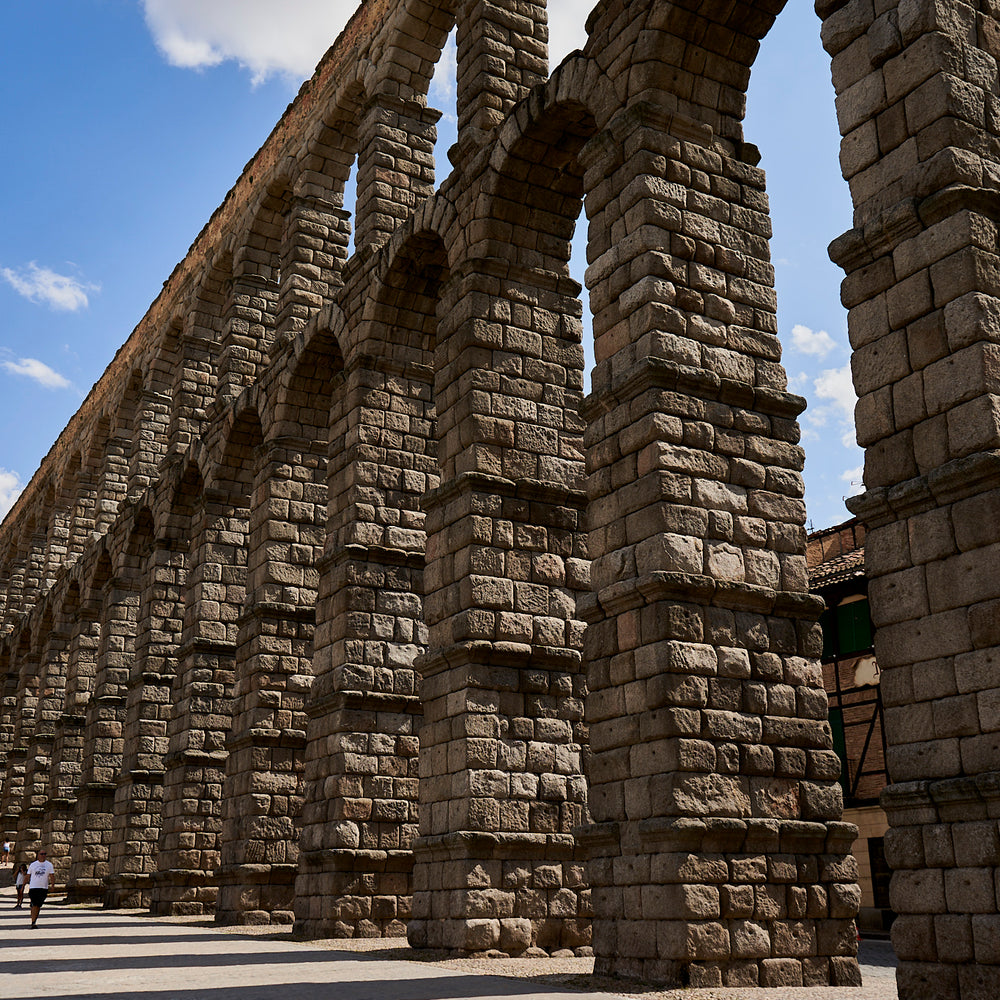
(720, 901)
(128, 891)
(183, 892)
(476, 892)
(348, 893)
(944, 848)
(85, 890)
(256, 894)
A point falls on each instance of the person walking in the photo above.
(6, 852)
(41, 877)
(20, 882)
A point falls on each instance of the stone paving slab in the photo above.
(82, 953)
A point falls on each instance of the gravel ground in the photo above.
(878, 970)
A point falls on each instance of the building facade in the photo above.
(851, 677)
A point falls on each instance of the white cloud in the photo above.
(797, 383)
(196, 34)
(853, 476)
(39, 371)
(807, 341)
(263, 37)
(41, 284)
(442, 90)
(10, 490)
(566, 28)
(835, 385)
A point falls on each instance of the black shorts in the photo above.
(37, 896)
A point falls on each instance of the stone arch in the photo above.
(51, 647)
(23, 674)
(287, 508)
(214, 597)
(115, 589)
(251, 313)
(508, 379)
(369, 626)
(67, 745)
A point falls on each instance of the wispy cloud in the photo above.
(815, 342)
(42, 284)
(10, 490)
(39, 371)
(193, 34)
(442, 91)
(853, 476)
(835, 386)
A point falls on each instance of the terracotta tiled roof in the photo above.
(838, 569)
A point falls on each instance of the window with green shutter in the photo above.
(840, 747)
(854, 627)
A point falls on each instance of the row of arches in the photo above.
(404, 632)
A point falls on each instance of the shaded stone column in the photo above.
(262, 795)
(138, 798)
(70, 731)
(8, 724)
(395, 165)
(193, 385)
(248, 330)
(103, 743)
(194, 767)
(502, 54)
(717, 855)
(38, 766)
(24, 666)
(313, 253)
(501, 782)
(917, 107)
(359, 817)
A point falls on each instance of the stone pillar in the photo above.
(717, 855)
(149, 439)
(501, 782)
(9, 710)
(103, 744)
(70, 731)
(38, 766)
(25, 669)
(83, 518)
(248, 331)
(138, 798)
(262, 795)
(313, 253)
(56, 543)
(188, 851)
(501, 56)
(917, 107)
(359, 817)
(113, 482)
(395, 165)
(191, 394)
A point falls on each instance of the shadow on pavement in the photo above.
(449, 988)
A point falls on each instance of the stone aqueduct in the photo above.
(299, 622)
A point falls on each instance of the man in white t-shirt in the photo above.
(41, 877)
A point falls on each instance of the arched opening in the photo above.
(214, 598)
(369, 628)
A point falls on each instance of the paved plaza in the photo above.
(91, 954)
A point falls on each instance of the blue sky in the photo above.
(127, 121)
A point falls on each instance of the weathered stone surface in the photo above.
(336, 602)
